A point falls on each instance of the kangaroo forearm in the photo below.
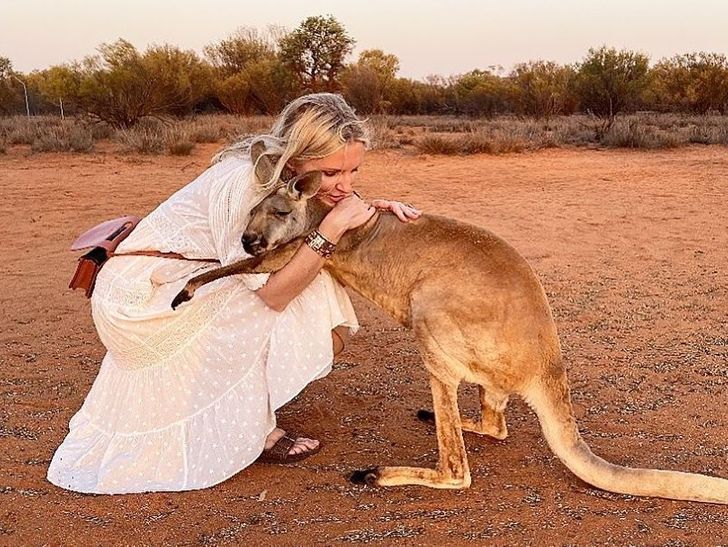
(271, 261)
(243, 266)
(288, 282)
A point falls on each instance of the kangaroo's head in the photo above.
(287, 212)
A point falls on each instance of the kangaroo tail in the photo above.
(549, 398)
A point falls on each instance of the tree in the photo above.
(315, 52)
(272, 85)
(58, 85)
(180, 78)
(121, 85)
(8, 94)
(367, 84)
(481, 93)
(608, 81)
(542, 89)
(693, 82)
(6, 67)
(250, 76)
(384, 65)
(245, 46)
(261, 87)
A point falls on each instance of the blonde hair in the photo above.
(309, 127)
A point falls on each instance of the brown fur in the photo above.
(480, 315)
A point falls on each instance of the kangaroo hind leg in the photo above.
(452, 469)
(492, 420)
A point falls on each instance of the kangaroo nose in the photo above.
(253, 244)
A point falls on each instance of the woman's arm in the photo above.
(288, 282)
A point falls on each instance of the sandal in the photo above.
(278, 453)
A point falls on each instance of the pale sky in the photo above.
(429, 36)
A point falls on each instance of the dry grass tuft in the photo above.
(382, 133)
(66, 137)
(101, 131)
(19, 129)
(179, 142)
(633, 134)
(208, 129)
(485, 140)
(436, 144)
(141, 140)
(156, 137)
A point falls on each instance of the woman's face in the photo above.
(338, 172)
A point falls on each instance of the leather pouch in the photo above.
(102, 240)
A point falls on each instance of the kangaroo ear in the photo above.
(305, 186)
(264, 166)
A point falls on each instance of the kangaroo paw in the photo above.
(183, 296)
(365, 476)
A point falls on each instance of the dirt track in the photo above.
(631, 248)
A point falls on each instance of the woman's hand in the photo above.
(404, 211)
(348, 213)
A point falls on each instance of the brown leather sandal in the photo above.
(278, 453)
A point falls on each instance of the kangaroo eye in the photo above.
(282, 214)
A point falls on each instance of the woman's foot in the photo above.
(301, 445)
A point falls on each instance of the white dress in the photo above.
(185, 399)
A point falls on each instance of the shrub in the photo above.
(382, 136)
(608, 81)
(206, 131)
(633, 134)
(209, 128)
(20, 130)
(156, 137)
(436, 144)
(179, 142)
(101, 130)
(477, 142)
(65, 138)
(142, 140)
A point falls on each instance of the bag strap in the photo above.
(161, 254)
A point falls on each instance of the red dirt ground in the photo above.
(631, 247)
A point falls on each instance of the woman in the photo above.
(185, 399)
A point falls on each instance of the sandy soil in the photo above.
(631, 247)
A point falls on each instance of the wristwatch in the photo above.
(320, 244)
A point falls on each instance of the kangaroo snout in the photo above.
(254, 244)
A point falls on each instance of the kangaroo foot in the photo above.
(495, 427)
(399, 476)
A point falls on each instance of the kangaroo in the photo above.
(480, 315)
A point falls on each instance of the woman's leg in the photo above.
(339, 337)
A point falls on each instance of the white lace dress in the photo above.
(185, 399)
